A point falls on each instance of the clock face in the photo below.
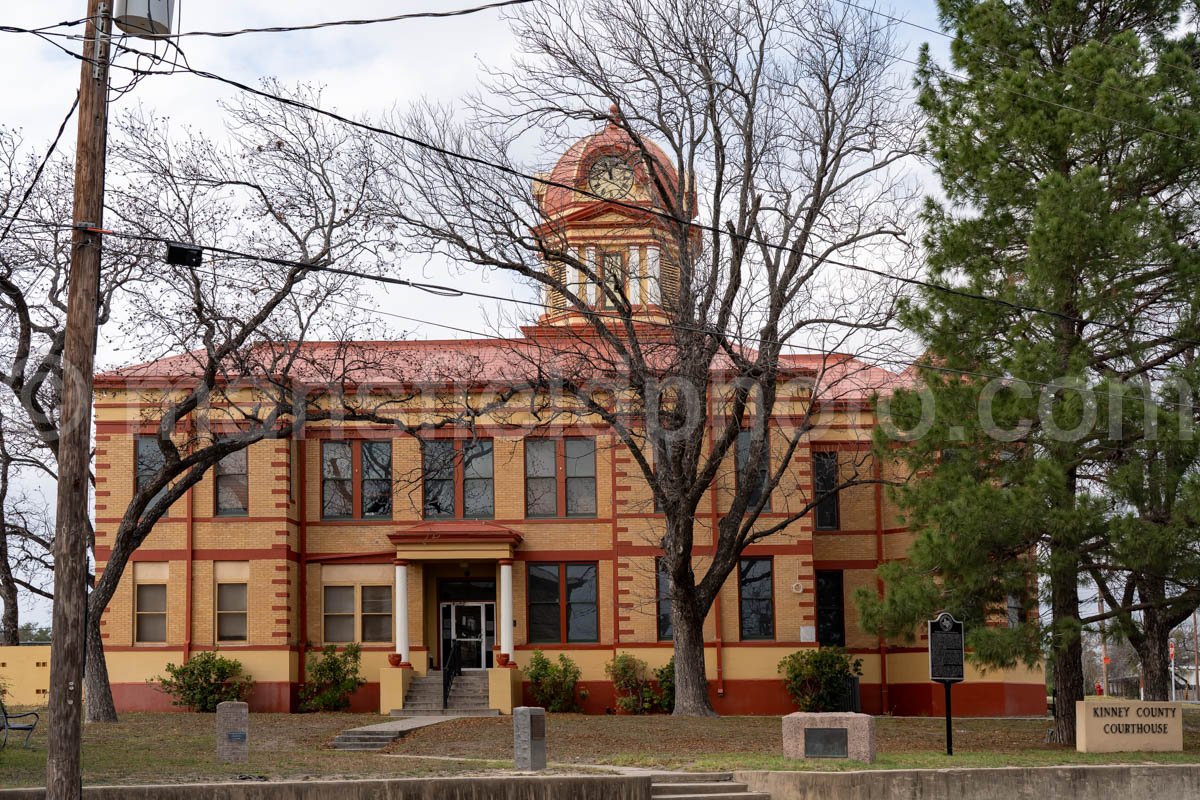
(610, 177)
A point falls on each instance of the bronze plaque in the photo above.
(826, 743)
(537, 726)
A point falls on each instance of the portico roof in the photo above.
(453, 539)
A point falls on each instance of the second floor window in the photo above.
(349, 493)
(761, 480)
(233, 485)
(459, 479)
(825, 480)
(148, 460)
(560, 477)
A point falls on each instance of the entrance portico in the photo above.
(466, 594)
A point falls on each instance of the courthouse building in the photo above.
(504, 540)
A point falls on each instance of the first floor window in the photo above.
(663, 602)
(233, 485)
(231, 612)
(339, 613)
(825, 481)
(831, 609)
(150, 611)
(756, 598)
(563, 603)
(366, 610)
(377, 613)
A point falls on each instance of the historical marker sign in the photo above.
(826, 743)
(945, 649)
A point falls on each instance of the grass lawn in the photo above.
(756, 743)
(181, 748)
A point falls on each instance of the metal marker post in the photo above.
(946, 651)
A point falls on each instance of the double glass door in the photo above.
(473, 627)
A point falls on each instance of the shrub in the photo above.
(665, 675)
(207, 678)
(818, 679)
(553, 685)
(332, 678)
(631, 682)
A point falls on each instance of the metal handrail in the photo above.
(450, 671)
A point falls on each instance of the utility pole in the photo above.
(1103, 648)
(63, 774)
(1195, 659)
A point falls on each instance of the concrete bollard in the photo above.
(529, 738)
(233, 732)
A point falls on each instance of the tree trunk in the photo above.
(1152, 650)
(10, 622)
(1067, 645)
(97, 695)
(691, 680)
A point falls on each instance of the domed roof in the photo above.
(571, 169)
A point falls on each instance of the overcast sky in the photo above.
(364, 69)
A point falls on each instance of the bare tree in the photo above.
(783, 127)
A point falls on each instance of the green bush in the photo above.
(631, 682)
(818, 678)
(332, 678)
(665, 675)
(207, 678)
(553, 685)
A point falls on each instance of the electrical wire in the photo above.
(41, 166)
(451, 291)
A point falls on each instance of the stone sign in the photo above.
(529, 738)
(829, 736)
(1126, 726)
(233, 726)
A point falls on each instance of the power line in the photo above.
(41, 166)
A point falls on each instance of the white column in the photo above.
(506, 609)
(400, 604)
(652, 276)
(635, 276)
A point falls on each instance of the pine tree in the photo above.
(1065, 140)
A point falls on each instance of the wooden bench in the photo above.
(7, 724)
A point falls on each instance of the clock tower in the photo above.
(610, 219)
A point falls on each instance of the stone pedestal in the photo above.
(233, 732)
(840, 735)
(1112, 725)
(529, 738)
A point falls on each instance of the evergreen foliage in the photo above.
(554, 684)
(204, 680)
(332, 678)
(817, 679)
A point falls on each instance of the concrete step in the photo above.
(716, 796)
(444, 712)
(690, 777)
(672, 789)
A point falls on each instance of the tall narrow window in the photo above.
(377, 479)
(583, 623)
(541, 478)
(663, 591)
(233, 485)
(376, 613)
(339, 613)
(563, 603)
(831, 609)
(544, 619)
(613, 276)
(438, 456)
(337, 480)
(149, 460)
(761, 479)
(231, 612)
(150, 610)
(756, 598)
(825, 480)
(478, 485)
(580, 457)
